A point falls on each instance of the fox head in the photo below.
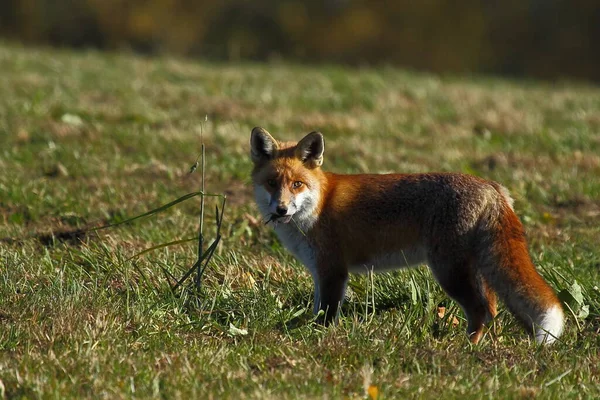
(287, 176)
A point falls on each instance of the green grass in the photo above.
(90, 138)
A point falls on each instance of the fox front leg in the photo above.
(331, 289)
(317, 297)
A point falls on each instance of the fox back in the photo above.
(462, 226)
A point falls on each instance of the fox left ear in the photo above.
(310, 149)
(262, 145)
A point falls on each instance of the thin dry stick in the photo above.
(204, 257)
(201, 229)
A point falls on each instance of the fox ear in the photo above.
(310, 150)
(262, 145)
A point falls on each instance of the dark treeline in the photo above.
(540, 38)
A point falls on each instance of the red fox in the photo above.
(462, 226)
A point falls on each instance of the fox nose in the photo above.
(281, 210)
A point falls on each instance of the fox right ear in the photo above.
(262, 145)
(310, 149)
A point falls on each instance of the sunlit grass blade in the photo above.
(206, 254)
(160, 246)
(158, 209)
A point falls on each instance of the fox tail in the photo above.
(506, 266)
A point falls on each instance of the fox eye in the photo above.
(297, 184)
(272, 182)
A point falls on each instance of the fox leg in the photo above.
(317, 295)
(331, 287)
(490, 296)
(472, 294)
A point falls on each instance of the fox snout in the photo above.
(282, 206)
(281, 210)
(281, 202)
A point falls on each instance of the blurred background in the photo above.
(544, 39)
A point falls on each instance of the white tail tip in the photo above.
(549, 325)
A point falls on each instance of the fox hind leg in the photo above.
(473, 295)
(490, 296)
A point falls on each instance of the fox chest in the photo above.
(298, 244)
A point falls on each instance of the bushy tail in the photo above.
(507, 267)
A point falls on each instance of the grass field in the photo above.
(88, 139)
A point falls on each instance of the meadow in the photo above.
(89, 139)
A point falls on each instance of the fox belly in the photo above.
(388, 261)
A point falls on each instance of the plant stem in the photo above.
(201, 229)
